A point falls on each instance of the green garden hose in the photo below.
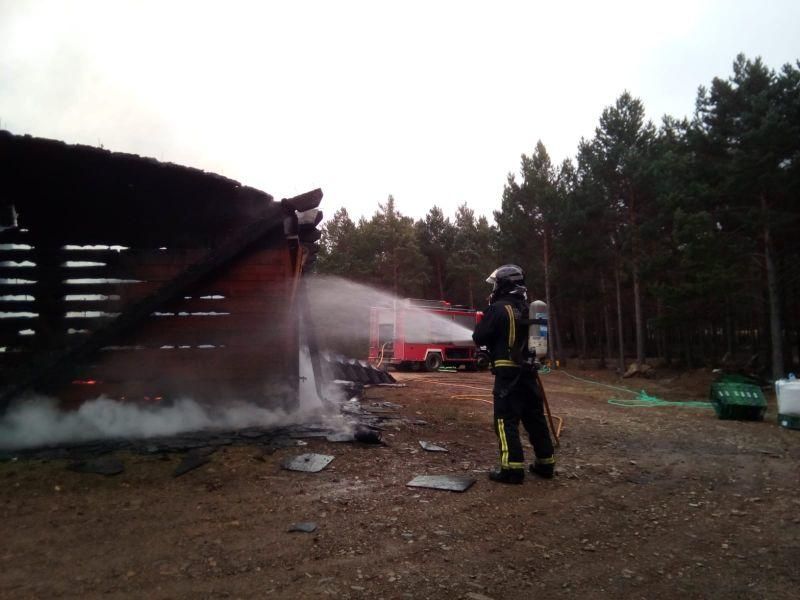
(642, 399)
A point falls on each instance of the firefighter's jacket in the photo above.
(502, 334)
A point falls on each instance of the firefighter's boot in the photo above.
(543, 468)
(507, 475)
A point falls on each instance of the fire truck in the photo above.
(413, 335)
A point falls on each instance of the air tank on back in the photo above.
(537, 334)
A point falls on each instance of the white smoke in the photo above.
(39, 422)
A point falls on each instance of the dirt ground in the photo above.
(663, 502)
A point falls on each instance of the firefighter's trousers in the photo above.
(517, 399)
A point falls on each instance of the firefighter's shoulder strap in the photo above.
(510, 341)
(512, 326)
(517, 334)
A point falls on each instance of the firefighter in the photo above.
(516, 386)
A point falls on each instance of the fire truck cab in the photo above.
(414, 335)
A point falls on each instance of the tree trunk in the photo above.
(439, 278)
(546, 260)
(728, 330)
(582, 330)
(797, 345)
(703, 342)
(775, 325)
(395, 278)
(635, 253)
(687, 347)
(787, 314)
(637, 307)
(762, 331)
(794, 348)
(621, 339)
(606, 321)
(556, 330)
(661, 332)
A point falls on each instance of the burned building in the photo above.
(143, 281)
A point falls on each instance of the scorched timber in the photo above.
(57, 365)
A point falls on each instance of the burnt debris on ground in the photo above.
(450, 483)
(105, 465)
(307, 463)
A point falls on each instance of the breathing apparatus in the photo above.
(510, 280)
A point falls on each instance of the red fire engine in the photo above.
(424, 334)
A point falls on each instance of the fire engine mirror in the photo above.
(308, 463)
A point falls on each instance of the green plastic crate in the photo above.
(740, 401)
(789, 421)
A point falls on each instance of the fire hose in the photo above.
(380, 360)
(482, 398)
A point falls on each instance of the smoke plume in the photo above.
(39, 421)
(36, 422)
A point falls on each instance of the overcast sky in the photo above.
(433, 102)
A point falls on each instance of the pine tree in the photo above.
(398, 263)
(473, 257)
(749, 125)
(618, 156)
(337, 244)
(435, 236)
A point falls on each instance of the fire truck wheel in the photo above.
(433, 361)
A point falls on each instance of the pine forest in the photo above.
(674, 243)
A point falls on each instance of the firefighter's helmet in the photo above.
(507, 279)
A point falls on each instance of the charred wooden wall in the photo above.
(86, 233)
